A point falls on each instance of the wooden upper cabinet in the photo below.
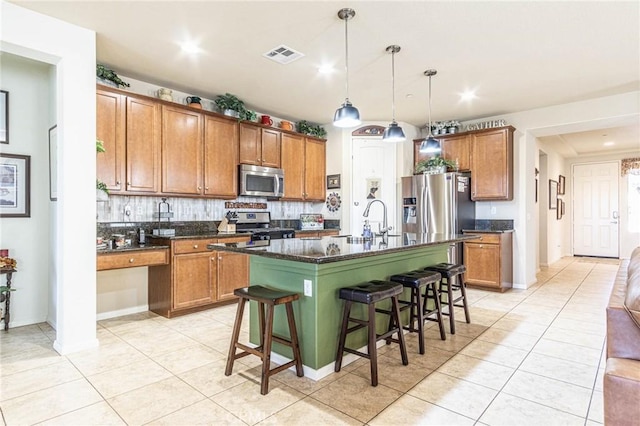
(492, 164)
(292, 150)
(220, 157)
(315, 169)
(456, 148)
(182, 132)
(417, 155)
(259, 146)
(142, 145)
(110, 129)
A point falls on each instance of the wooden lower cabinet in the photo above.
(489, 260)
(196, 278)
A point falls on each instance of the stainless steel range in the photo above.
(257, 224)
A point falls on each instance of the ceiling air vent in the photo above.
(283, 54)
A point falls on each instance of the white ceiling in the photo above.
(516, 55)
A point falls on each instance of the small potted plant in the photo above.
(106, 74)
(318, 131)
(249, 115)
(303, 127)
(452, 126)
(434, 165)
(230, 105)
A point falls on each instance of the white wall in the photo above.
(71, 50)
(27, 239)
(578, 116)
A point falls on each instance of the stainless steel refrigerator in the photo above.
(438, 204)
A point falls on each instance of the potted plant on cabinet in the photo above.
(108, 75)
(434, 165)
(230, 105)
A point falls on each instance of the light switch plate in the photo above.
(308, 289)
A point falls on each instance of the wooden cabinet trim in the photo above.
(132, 259)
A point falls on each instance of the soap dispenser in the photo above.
(366, 230)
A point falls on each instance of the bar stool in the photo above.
(452, 273)
(369, 293)
(270, 298)
(417, 305)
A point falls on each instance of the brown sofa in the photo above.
(622, 373)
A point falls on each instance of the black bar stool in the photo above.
(452, 273)
(370, 293)
(270, 298)
(417, 305)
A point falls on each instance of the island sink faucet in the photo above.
(385, 229)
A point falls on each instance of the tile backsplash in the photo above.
(145, 209)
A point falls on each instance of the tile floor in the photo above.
(530, 356)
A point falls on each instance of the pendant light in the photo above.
(393, 133)
(430, 145)
(347, 115)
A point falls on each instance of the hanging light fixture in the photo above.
(347, 115)
(430, 145)
(393, 133)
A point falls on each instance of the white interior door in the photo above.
(595, 209)
(373, 168)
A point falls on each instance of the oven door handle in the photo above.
(276, 180)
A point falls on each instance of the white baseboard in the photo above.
(121, 312)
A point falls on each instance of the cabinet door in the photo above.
(457, 148)
(314, 166)
(143, 145)
(110, 129)
(483, 264)
(293, 166)
(492, 165)
(220, 157)
(193, 280)
(233, 272)
(270, 156)
(181, 151)
(250, 144)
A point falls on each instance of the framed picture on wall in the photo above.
(559, 210)
(4, 116)
(15, 185)
(561, 185)
(333, 181)
(553, 194)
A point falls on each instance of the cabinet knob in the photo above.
(206, 188)
(199, 188)
(131, 260)
(219, 257)
(195, 246)
(118, 182)
(129, 183)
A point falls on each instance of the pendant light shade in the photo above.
(430, 145)
(347, 115)
(394, 132)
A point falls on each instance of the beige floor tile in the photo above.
(499, 354)
(568, 352)
(509, 410)
(471, 330)
(105, 357)
(245, 401)
(453, 343)
(580, 338)
(509, 338)
(393, 374)
(127, 378)
(96, 414)
(581, 326)
(49, 403)
(354, 396)
(138, 321)
(520, 326)
(304, 384)
(153, 401)
(22, 360)
(408, 410)
(205, 412)
(188, 358)
(476, 371)
(309, 411)
(560, 369)
(599, 378)
(552, 393)
(152, 342)
(596, 408)
(459, 396)
(38, 378)
(210, 379)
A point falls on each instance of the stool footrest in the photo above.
(355, 352)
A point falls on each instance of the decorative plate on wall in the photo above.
(333, 202)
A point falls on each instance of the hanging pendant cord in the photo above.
(346, 54)
(393, 86)
(430, 134)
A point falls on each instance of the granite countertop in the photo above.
(337, 248)
(488, 231)
(491, 226)
(199, 236)
(133, 247)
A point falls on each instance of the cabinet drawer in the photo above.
(192, 246)
(486, 239)
(233, 240)
(132, 259)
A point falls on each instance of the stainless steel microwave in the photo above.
(257, 181)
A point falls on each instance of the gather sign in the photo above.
(486, 125)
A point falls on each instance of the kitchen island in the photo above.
(317, 268)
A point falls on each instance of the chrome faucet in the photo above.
(385, 229)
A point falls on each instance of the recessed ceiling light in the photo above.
(326, 69)
(409, 95)
(467, 95)
(609, 143)
(190, 47)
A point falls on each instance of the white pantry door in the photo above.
(595, 207)
(373, 168)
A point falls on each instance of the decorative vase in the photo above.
(231, 113)
(452, 129)
(165, 94)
